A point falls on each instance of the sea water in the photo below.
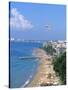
(22, 71)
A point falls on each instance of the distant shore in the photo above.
(45, 74)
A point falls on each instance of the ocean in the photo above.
(22, 71)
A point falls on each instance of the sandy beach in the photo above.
(45, 75)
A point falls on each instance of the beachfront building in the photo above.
(59, 46)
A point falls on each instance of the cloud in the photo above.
(18, 21)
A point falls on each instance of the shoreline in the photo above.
(45, 74)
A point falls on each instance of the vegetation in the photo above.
(49, 49)
(59, 62)
(60, 67)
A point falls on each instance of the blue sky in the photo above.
(31, 21)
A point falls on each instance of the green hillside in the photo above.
(60, 67)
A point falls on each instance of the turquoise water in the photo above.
(22, 71)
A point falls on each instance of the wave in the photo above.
(27, 82)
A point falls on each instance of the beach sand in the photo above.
(45, 74)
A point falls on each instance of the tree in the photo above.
(60, 67)
(49, 49)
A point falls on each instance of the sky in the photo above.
(32, 21)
